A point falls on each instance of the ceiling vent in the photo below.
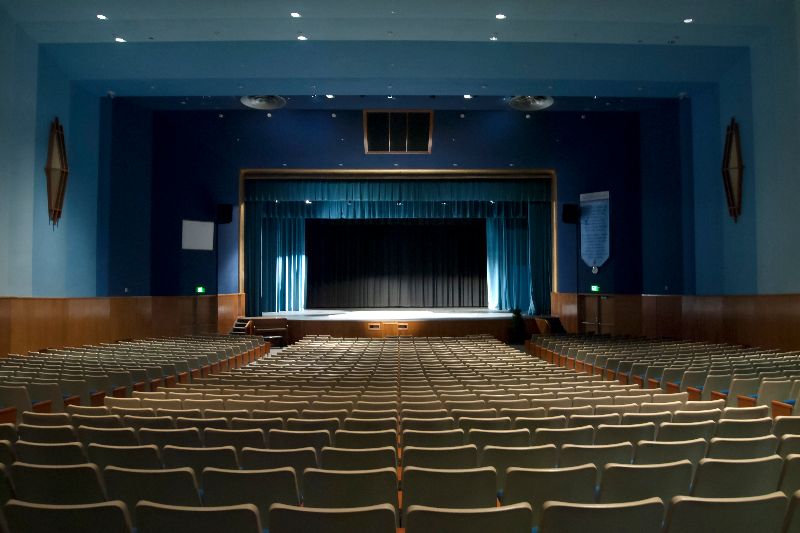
(264, 103)
(531, 103)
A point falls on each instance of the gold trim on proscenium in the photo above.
(406, 174)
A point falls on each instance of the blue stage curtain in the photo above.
(508, 265)
(278, 260)
(518, 231)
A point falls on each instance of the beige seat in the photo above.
(598, 455)
(458, 457)
(508, 438)
(299, 459)
(620, 409)
(156, 518)
(292, 519)
(188, 437)
(502, 458)
(238, 438)
(313, 424)
(643, 418)
(285, 439)
(570, 411)
(38, 453)
(351, 488)
(201, 423)
(264, 424)
(497, 423)
(176, 486)
(653, 452)
(427, 424)
(433, 439)
(369, 424)
(537, 485)
(790, 475)
(748, 448)
(365, 439)
(202, 405)
(642, 516)
(593, 420)
(546, 422)
(671, 431)
(680, 416)
(578, 435)
(625, 482)
(474, 487)
(612, 434)
(58, 484)
(792, 522)
(703, 405)
(46, 419)
(146, 456)
(789, 444)
(110, 401)
(742, 429)
(155, 422)
(671, 407)
(261, 488)
(86, 410)
(110, 436)
(357, 459)
(162, 403)
(104, 517)
(726, 478)
(732, 515)
(514, 518)
(746, 413)
(198, 458)
(51, 434)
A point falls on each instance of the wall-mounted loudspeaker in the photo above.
(570, 213)
(224, 213)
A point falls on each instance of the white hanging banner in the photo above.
(595, 232)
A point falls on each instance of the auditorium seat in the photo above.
(745, 413)
(104, 517)
(299, 459)
(64, 453)
(189, 437)
(643, 418)
(292, 519)
(514, 518)
(111, 436)
(598, 455)
(358, 459)
(626, 482)
(727, 478)
(59, 484)
(462, 489)
(653, 452)
(537, 485)
(784, 425)
(197, 458)
(146, 457)
(742, 429)
(7, 454)
(176, 486)
(350, 488)
(612, 434)
(238, 438)
(790, 475)
(742, 448)
(683, 417)
(642, 516)
(577, 435)
(153, 422)
(97, 421)
(674, 431)
(427, 424)
(286, 439)
(457, 457)
(156, 518)
(46, 434)
(501, 458)
(489, 423)
(313, 424)
(46, 419)
(201, 423)
(261, 488)
(433, 439)
(763, 513)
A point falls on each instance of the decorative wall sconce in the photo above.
(56, 171)
(733, 170)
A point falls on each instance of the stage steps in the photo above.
(239, 327)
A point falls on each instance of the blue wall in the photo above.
(197, 156)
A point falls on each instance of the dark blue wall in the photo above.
(197, 156)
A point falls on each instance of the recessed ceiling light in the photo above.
(302, 37)
(100, 16)
(500, 16)
(329, 96)
(390, 97)
(120, 40)
(308, 202)
(493, 37)
(468, 97)
(688, 21)
(295, 15)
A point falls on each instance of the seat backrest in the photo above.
(188, 437)
(104, 517)
(474, 487)
(58, 484)
(154, 518)
(292, 519)
(46, 419)
(111, 436)
(537, 485)
(431, 439)
(577, 435)
(261, 488)
(37, 453)
(746, 413)
(176, 486)
(299, 459)
(146, 456)
(626, 482)
(653, 452)
(501, 458)
(746, 448)
(514, 518)
(611, 434)
(728, 478)
(598, 455)
(351, 488)
(286, 439)
(672, 431)
(689, 514)
(51, 434)
(790, 475)
(238, 438)
(458, 457)
(741, 429)
(358, 459)
(642, 516)
(198, 458)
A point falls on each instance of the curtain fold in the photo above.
(508, 272)
(540, 241)
(278, 265)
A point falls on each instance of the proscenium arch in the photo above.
(403, 174)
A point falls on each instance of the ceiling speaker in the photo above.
(265, 102)
(531, 103)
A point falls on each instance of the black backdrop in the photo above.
(396, 263)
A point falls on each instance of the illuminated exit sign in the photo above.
(595, 288)
(200, 289)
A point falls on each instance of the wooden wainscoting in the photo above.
(770, 321)
(28, 324)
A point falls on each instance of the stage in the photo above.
(388, 322)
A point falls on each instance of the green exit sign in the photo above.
(200, 289)
(595, 288)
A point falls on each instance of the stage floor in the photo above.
(404, 314)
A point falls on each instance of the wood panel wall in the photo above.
(771, 321)
(28, 324)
